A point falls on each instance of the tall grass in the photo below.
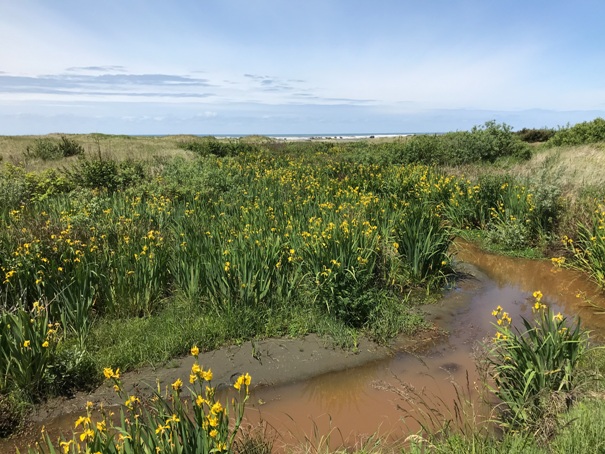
(589, 249)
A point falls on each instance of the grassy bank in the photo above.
(122, 251)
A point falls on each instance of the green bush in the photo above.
(481, 144)
(69, 147)
(512, 234)
(47, 149)
(105, 173)
(492, 141)
(225, 147)
(533, 135)
(73, 370)
(204, 177)
(299, 147)
(579, 134)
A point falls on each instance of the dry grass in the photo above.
(12, 148)
(574, 168)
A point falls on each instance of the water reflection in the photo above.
(568, 289)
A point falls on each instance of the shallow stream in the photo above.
(392, 397)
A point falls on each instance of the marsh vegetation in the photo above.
(122, 251)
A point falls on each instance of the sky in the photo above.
(298, 67)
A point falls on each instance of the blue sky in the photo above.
(287, 66)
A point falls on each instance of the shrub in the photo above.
(481, 144)
(492, 141)
(581, 133)
(225, 147)
(535, 135)
(548, 205)
(45, 149)
(512, 234)
(105, 173)
(48, 149)
(69, 147)
(73, 370)
(203, 177)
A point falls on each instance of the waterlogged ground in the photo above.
(312, 392)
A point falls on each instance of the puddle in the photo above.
(571, 290)
(389, 397)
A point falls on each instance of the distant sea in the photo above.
(315, 136)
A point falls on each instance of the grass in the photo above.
(13, 148)
(481, 239)
(574, 168)
(583, 433)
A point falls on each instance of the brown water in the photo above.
(390, 397)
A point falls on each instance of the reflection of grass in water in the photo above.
(256, 439)
(332, 441)
(434, 415)
(340, 390)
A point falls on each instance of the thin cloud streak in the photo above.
(108, 68)
(72, 85)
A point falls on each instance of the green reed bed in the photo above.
(290, 244)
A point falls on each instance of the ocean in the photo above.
(294, 137)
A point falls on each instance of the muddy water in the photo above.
(570, 290)
(392, 397)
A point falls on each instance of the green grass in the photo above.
(583, 433)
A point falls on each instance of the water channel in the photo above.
(392, 397)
